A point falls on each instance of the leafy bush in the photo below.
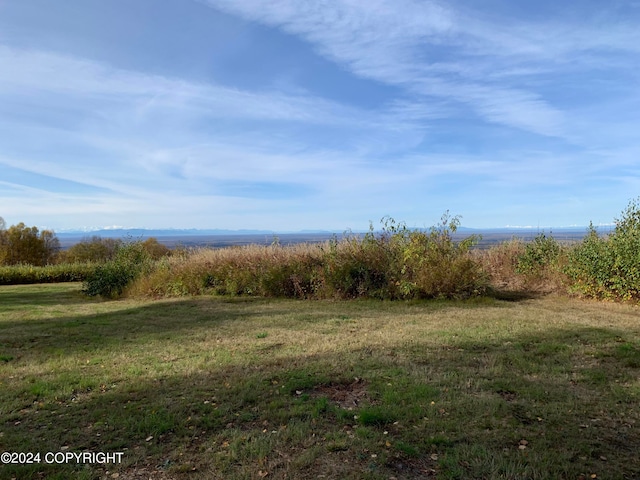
(155, 249)
(539, 254)
(112, 278)
(589, 266)
(357, 267)
(609, 267)
(433, 265)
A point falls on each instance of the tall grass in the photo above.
(396, 263)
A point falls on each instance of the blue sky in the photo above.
(295, 114)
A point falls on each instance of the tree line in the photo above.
(23, 245)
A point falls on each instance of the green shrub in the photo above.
(298, 277)
(434, 266)
(357, 267)
(609, 267)
(589, 266)
(540, 254)
(112, 278)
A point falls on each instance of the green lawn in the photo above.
(233, 388)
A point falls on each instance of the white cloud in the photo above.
(147, 119)
(436, 139)
(446, 52)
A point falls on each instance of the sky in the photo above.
(317, 115)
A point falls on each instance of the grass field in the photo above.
(235, 388)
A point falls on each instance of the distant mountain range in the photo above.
(144, 232)
(192, 232)
(225, 238)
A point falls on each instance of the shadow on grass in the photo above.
(514, 295)
(162, 321)
(459, 412)
(14, 297)
(122, 324)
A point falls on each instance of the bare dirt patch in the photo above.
(345, 395)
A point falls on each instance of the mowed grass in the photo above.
(248, 388)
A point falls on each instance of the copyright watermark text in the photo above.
(23, 458)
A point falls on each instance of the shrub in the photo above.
(609, 267)
(589, 266)
(539, 254)
(356, 267)
(155, 249)
(112, 278)
(27, 274)
(433, 265)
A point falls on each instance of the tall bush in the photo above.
(434, 265)
(357, 267)
(112, 278)
(609, 267)
(540, 254)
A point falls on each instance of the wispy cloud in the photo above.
(462, 107)
(448, 53)
(211, 140)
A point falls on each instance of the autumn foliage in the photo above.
(27, 245)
